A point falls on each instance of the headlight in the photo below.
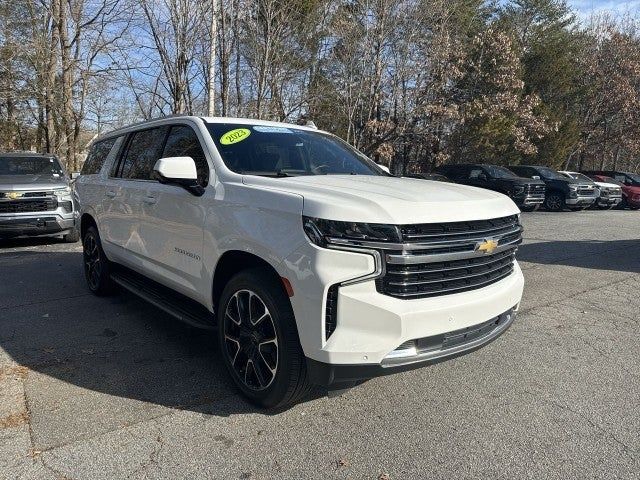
(322, 232)
(518, 189)
(573, 188)
(63, 193)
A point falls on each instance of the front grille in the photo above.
(610, 192)
(27, 206)
(532, 189)
(442, 259)
(28, 194)
(586, 191)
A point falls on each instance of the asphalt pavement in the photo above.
(110, 388)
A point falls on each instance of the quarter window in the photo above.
(142, 153)
(183, 142)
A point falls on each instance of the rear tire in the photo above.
(96, 265)
(259, 341)
(554, 202)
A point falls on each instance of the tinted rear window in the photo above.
(143, 151)
(97, 156)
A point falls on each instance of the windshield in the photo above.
(635, 177)
(500, 172)
(30, 166)
(276, 151)
(550, 174)
(580, 176)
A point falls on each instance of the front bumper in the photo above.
(369, 325)
(580, 201)
(432, 350)
(529, 200)
(608, 201)
(36, 225)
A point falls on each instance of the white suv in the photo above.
(314, 265)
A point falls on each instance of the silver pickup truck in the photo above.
(35, 197)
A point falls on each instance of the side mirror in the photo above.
(74, 175)
(482, 176)
(536, 177)
(179, 171)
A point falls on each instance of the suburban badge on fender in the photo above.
(487, 246)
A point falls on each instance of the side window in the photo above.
(475, 173)
(620, 178)
(183, 142)
(143, 151)
(97, 156)
(455, 172)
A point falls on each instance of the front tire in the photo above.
(259, 340)
(554, 202)
(96, 264)
(72, 237)
(529, 208)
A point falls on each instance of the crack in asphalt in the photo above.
(630, 452)
(40, 302)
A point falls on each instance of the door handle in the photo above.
(110, 194)
(149, 200)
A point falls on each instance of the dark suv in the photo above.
(630, 183)
(528, 194)
(561, 191)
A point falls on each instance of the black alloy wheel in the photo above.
(258, 339)
(96, 264)
(554, 202)
(251, 340)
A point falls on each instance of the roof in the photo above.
(27, 154)
(166, 119)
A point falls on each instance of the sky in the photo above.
(586, 7)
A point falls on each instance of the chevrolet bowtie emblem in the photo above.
(13, 195)
(487, 246)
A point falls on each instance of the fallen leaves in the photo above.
(14, 420)
(17, 371)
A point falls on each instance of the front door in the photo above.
(173, 220)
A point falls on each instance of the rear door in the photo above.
(173, 219)
(126, 193)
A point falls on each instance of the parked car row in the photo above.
(534, 186)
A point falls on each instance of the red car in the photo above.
(630, 183)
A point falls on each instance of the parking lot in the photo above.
(113, 388)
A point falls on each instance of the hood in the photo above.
(606, 185)
(569, 181)
(522, 180)
(32, 182)
(363, 198)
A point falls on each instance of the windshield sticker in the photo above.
(267, 129)
(235, 136)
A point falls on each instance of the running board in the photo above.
(171, 302)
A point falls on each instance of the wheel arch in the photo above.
(86, 220)
(234, 261)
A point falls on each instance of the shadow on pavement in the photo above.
(615, 255)
(118, 345)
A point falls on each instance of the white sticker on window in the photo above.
(268, 129)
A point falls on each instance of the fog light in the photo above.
(407, 349)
